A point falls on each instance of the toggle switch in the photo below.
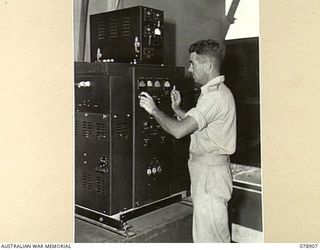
(84, 84)
(157, 100)
(149, 40)
(146, 143)
(163, 140)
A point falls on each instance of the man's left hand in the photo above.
(147, 102)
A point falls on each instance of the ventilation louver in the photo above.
(87, 181)
(101, 30)
(101, 131)
(87, 130)
(101, 184)
(122, 131)
(113, 28)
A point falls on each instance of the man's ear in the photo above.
(208, 65)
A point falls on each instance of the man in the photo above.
(212, 125)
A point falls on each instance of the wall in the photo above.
(185, 22)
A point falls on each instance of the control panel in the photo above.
(90, 94)
(154, 146)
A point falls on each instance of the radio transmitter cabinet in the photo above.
(128, 35)
(124, 160)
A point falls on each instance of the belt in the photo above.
(210, 159)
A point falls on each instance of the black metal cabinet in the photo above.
(123, 158)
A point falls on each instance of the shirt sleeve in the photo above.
(198, 116)
(206, 110)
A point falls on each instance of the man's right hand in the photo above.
(175, 98)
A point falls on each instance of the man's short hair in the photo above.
(210, 48)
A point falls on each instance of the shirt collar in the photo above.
(215, 81)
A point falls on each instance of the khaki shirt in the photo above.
(215, 114)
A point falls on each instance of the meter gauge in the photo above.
(157, 84)
(149, 84)
(142, 85)
(167, 84)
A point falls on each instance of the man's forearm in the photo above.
(180, 113)
(168, 123)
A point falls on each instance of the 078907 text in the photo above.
(308, 245)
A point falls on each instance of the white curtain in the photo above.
(76, 28)
(113, 4)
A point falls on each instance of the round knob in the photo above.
(157, 32)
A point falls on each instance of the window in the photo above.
(247, 19)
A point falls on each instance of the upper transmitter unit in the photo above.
(128, 35)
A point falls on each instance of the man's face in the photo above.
(197, 68)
